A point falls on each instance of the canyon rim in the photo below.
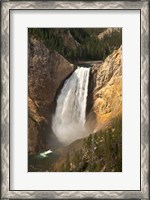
(75, 99)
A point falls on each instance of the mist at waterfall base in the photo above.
(68, 122)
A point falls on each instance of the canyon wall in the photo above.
(107, 94)
(46, 72)
(104, 120)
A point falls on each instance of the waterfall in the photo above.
(68, 123)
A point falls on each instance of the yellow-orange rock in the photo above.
(108, 89)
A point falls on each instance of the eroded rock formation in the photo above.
(107, 95)
(108, 31)
(47, 70)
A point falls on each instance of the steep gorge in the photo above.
(47, 72)
(104, 120)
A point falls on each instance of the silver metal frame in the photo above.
(143, 6)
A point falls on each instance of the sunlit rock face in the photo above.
(107, 93)
(108, 31)
(46, 72)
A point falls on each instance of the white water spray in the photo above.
(70, 116)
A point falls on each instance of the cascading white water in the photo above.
(70, 115)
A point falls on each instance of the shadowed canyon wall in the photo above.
(46, 72)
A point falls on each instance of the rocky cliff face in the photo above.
(68, 40)
(108, 31)
(105, 87)
(107, 95)
(47, 71)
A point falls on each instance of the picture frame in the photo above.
(6, 106)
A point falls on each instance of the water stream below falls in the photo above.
(68, 122)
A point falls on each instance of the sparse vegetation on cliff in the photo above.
(51, 54)
(79, 43)
(101, 151)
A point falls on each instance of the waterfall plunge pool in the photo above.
(42, 162)
(68, 122)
